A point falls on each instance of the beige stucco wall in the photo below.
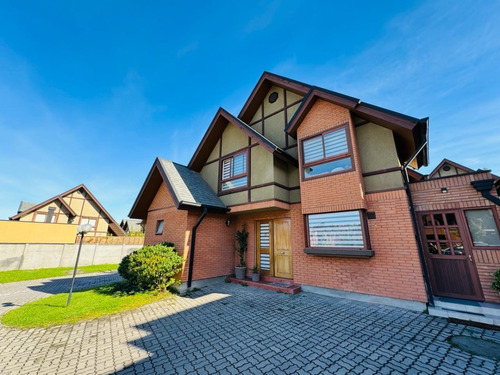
(377, 151)
(210, 174)
(215, 152)
(261, 166)
(233, 139)
(274, 129)
(277, 105)
(235, 198)
(263, 193)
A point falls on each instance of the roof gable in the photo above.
(113, 225)
(187, 188)
(266, 81)
(214, 132)
(460, 169)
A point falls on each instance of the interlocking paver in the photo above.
(232, 330)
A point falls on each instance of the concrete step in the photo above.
(284, 287)
(477, 308)
(465, 316)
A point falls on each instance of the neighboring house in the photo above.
(75, 206)
(132, 225)
(323, 183)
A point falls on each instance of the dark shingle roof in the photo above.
(189, 187)
(23, 206)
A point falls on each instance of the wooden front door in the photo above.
(274, 248)
(452, 271)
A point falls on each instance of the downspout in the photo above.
(193, 244)
(406, 181)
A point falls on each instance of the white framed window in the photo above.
(234, 172)
(88, 220)
(336, 230)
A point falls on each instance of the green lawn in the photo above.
(88, 304)
(43, 273)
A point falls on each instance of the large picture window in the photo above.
(326, 153)
(482, 228)
(336, 230)
(234, 172)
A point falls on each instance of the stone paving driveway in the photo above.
(230, 329)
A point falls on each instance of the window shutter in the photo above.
(313, 149)
(335, 143)
(226, 168)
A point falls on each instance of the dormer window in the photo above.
(326, 153)
(234, 172)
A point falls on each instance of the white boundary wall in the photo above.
(37, 255)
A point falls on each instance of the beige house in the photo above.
(75, 206)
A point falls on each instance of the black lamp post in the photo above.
(81, 230)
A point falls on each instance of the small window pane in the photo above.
(330, 167)
(451, 219)
(438, 219)
(427, 220)
(432, 246)
(238, 182)
(226, 169)
(159, 227)
(336, 229)
(455, 234)
(458, 248)
(429, 234)
(445, 248)
(264, 262)
(40, 218)
(482, 227)
(335, 143)
(441, 232)
(240, 164)
(264, 236)
(313, 149)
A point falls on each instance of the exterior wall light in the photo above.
(444, 190)
(228, 222)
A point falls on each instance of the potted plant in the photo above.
(255, 274)
(495, 285)
(241, 248)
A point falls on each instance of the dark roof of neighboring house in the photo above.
(187, 188)
(214, 132)
(23, 206)
(113, 225)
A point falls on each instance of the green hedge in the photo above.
(151, 267)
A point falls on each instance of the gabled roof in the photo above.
(410, 132)
(261, 89)
(214, 132)
(23, 206)
(452, 163)
(187, 188)
(113, 225)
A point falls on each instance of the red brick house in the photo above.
(327, 188)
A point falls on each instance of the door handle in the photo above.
(470, 258)
(282, 252)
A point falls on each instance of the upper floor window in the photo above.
(326, 153)
(234, 172)
(159, 227)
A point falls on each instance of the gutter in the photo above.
(404, 172)
(484, 187)
(193, 245)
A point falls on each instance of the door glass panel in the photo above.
(445, 248)
(482, 227)
(427, 220)
(433, 248)
(441, 232)
(438, 219)
(264, 236)
(458, 248)
(455, 234)
(264, 262)
(451, 219)
(429, 234)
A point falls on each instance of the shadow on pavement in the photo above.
(55, 286)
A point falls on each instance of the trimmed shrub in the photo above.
(495, 285)
(151, 267)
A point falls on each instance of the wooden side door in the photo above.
(452, 271)
(282, 249)
(274, 248)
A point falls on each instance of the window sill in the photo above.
(345, 253)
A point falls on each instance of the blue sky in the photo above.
(91, 92)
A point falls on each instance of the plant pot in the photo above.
(255, 276)
(240, 272)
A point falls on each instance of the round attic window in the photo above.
(446, 168)
(273, 97)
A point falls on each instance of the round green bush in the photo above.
(151, 267)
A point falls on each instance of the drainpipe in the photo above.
(404, 172)
(193, 243)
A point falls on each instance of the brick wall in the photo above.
(461, 196)
(339, 192)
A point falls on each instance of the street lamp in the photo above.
(81, 230)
